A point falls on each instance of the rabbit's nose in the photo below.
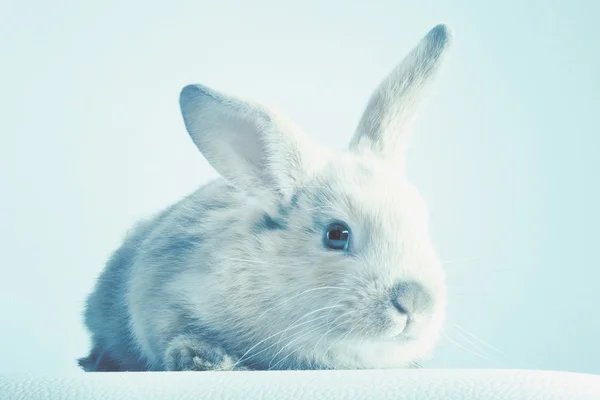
(411, 298)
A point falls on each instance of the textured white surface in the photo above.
(382, 384)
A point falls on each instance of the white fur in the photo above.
(272, 295)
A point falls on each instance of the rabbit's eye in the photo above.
(337, 236)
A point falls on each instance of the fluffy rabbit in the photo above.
(299, 257)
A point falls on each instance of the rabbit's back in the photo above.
(107, 315)
(158, 248)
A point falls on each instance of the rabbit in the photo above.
(296, 257)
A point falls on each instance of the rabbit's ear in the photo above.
(253, 148)
(386, 121)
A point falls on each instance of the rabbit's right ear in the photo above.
(253, 148)
(385, 124)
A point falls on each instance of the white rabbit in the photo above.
(299, 257)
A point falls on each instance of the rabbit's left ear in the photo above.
(255, 149)
(386, 121)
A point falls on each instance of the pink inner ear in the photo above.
(252, 147)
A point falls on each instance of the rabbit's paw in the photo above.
(189, 354)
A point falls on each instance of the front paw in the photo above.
(189, 354)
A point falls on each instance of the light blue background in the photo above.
(505, 152)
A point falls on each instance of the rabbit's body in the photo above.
(166, 239)
(299, 258)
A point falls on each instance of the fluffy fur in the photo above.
(237, 276)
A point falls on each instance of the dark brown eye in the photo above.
(337, 236)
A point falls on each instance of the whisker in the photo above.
(303, 334)
(361, 279)
(340, 324)
(356, 336)
(365, 332)
(464, 348)
(304, 323)
(291, 326)
(331, 329)
(475, 346)
(354, 326)
(298, 295)
(330, 308)
(472, 335)
(298, 335)
(280, 304)
(290, 343)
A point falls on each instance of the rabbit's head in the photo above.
(334, 267)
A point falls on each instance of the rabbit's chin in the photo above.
(397, 352)
(394, 348)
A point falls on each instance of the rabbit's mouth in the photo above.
(405, 329)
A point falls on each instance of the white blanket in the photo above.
(380, 385)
